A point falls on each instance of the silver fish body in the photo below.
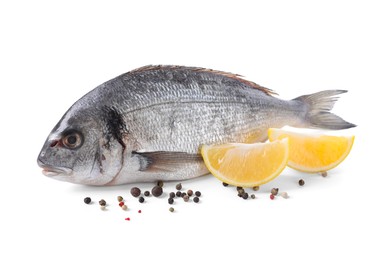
(148, 124)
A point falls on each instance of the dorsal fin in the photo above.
(216, 72)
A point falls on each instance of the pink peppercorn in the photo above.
(272, 197)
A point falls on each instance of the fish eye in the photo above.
(72, 139)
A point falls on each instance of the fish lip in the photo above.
(49, 170)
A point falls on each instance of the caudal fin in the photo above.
(319, 104)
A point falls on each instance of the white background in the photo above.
(53, 53)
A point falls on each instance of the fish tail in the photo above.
(318, 110)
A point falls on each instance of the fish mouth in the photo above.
(50, 171)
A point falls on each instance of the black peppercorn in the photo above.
(244, 195)
(170, 200)
(225, 184)
(102, 203)
(135, 192)
(172, 194)
(179, 186)
(141, 199)
(178, 193)
(146, 193)
(196, 199)
(301, 182)
(157, 191)
(87, 200)
(198, 193)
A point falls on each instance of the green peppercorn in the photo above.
(119, 198)
(241, 191)
(179, 186)
(135, 192)
(196, 199)
(171, 209)
(147, 193)
(190, 193)
(102, 203)
(274, 191)
(172, 194)
(170, 200)
(301, 182)
(87, 200)
(198, 193)
(141, 199)
(157, 191)
(244, 195)
(256, 188)
(160, 183)
(225, 184)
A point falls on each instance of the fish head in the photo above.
(76, 151)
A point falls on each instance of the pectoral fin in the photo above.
(165, 161)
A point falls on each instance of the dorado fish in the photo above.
(148, 124)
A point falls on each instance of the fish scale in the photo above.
(148, 124)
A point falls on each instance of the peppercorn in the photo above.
(141, 199)
(253, 196)
(121, 203)
(102, 203)
(241, 191)
(272, 197)
(196, 199)
(171, 209)
(139, 211)
(119, 198)
(324, 174)
(135, 192)
(157, 191)
(256, 188)
(240, 195)
(124, 207)
(301, 182)
(160, 183)
(186, 198)
(179, 186)
(274, 191)
(183, 194)
(225, 184)
(244, 195)
(147, 193)
(189, 193)
(170, 200)
(239, 188)
(284, 195)
(198, 193)
(178, 193)
(87, 200)
(172, 194)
